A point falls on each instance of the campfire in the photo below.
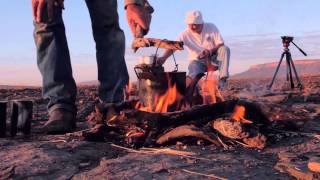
(221, 124)
(168, 110)
(164, 113)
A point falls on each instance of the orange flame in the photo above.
(170, 97)
(239, 113)
(209, 90)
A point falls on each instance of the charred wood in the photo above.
(187, 131)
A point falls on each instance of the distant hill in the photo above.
(304, 68)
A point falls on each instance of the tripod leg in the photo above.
(275, 74)
(288, 57)
(287, 71)
(295, 72)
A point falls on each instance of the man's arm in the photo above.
(138, 14)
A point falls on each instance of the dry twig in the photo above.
(167, 151)
(55, 141)
(242, 144)
(206, 175)
(226, 147)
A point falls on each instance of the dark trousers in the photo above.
(53, 56)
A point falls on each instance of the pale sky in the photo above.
(251, 28)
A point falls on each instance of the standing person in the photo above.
(205, 46)
(54, 60)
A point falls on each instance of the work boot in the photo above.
(60, 121)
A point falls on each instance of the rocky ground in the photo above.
(42, 156)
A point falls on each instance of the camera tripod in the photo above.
(286, 40)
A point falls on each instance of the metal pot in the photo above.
(149, 60)
(153, 84)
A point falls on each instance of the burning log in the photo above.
(237, 127)
(97, 133)
(229, 128)
(187, 131)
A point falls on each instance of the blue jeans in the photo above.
(53, 56)
(221, 59)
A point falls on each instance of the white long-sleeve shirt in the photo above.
(195, 43)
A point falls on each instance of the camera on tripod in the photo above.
(286, 40)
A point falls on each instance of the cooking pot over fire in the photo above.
(155, 84)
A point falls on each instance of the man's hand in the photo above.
(211, 67)
(204, 54)
(138, 16)
(39, 5)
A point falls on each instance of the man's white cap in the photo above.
(194, 17)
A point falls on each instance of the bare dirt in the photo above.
(42, 156)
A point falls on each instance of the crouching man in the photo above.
(205, 46)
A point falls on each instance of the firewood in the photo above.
(158, 43)
(200, 114)
(147, 126)
(140, 128)
(314, 164)
(96, 133)
(154, 124)
(205, 175)
(187, 131)
(295, 172)
(229, 128)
